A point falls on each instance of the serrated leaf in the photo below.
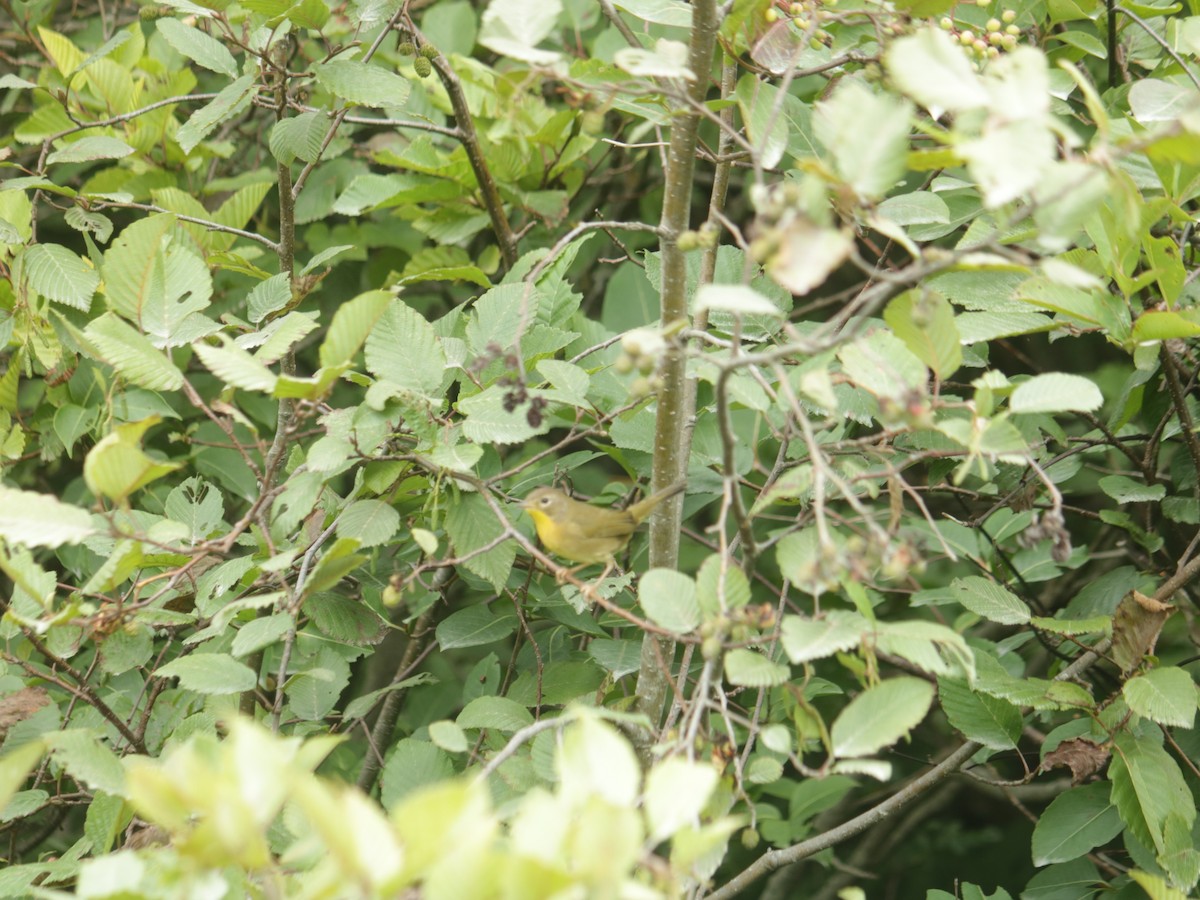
(990, 600)
(494, 713)
(362, 83)
(58, 274)
(472, 525)
(986, 720)
(925, 322)
(231, 101)
(133, 356)
(210, 673)
(880, 716)
(372, 522)
(1076, 822)
(835, 632)
(1056, 392)
(90, 148)
(235, 366)
(750, 668)
(203, 49)
(1166, 696)
(30, 519)
(669, 600)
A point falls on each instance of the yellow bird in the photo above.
(584, 533)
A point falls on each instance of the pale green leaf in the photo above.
(58, 274)
(203, 49)
(1166, 696)
(362, 83)
(990, 600)
(133, 356)
(210, 673)
(749, 668)
(1056, 392)
(90, 148)
(880, 716)
(669, 600)
(40, 520)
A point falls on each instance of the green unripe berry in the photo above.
(947, 23)
(430, 52)
(966, 38)
(1009, 42)
(1009, 16)
(710, 647)
(1013, 30)
(980, 46)
(407, 48)
(750, 838)
(639, 387)
(993, 25)
(771, 15)
(995, 39)
(687, 241)
(422, 66)
(993, 52)
(624, 364)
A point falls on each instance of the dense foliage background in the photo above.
(298, 299)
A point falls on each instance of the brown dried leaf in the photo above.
(1136, 626)
(20, 706)
(1083, 757)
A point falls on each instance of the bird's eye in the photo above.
(545, 501)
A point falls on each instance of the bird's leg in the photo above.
(590, 590)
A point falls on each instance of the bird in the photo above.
(587, 534)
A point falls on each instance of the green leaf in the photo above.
(82, 753)
(835, 632)
(990, 600)
(925, 322)
(1166, 696)
(154, 278)
(117, 466)
(58, 274)
(494, 713)
(133, 356)
(669, 600)
(1148, 789)
(210, 673)
(869, 161)
(373, 522)
(235, 366)
(410, 765)
(880, 716)
(472, 525)
(402, 348)
(1163, 326)
(883, 365)
(30, 519)
(233, 100)
(90, 148)
(934, 71)
(514, 28)
(677, 791)
(1127, 490)
(351, 324)
(344, 620)
(15, 766)
(750, 668)
(203, 49)
(767, 131)
(260, 633)
(299, 137)
(1056, 392)
(981, 718)
(721, 585)
(915, 208)
(474, 626)
(362, 83)
(1076, 822)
